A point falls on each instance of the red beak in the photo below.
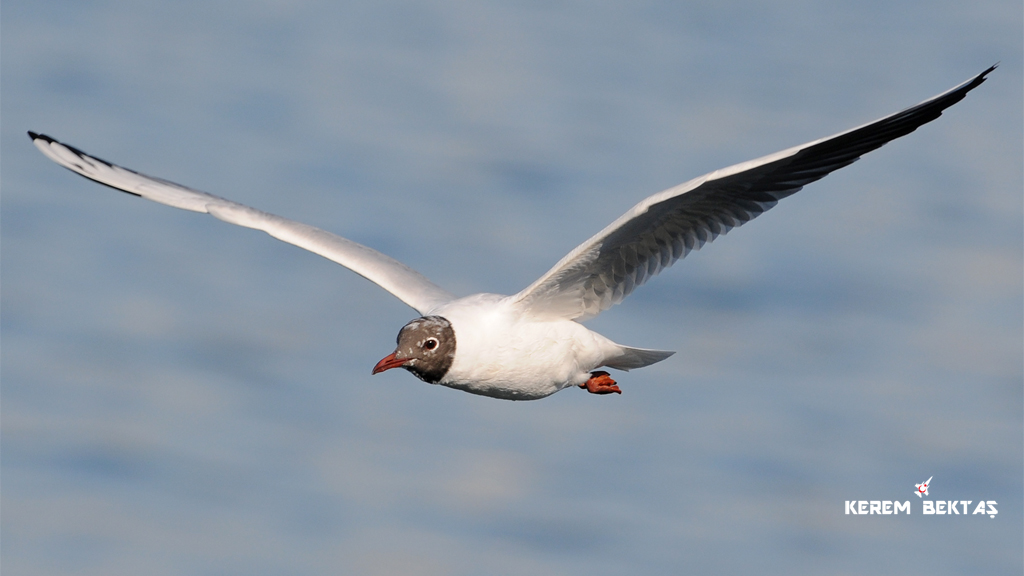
(388, 362)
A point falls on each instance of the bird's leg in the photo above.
(600, 383)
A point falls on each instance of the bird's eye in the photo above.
(430, 344)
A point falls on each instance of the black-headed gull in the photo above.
(531, 344)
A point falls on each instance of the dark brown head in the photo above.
(426, 347)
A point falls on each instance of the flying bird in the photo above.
(531, 344)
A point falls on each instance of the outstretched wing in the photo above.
(405, 283)
(665, 227)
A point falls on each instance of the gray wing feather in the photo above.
(405, 283)
(665, 227)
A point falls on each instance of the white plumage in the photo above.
(504, 353)
(531, 345)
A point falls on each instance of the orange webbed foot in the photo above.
(601, 383)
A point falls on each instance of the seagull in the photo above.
(532, 344)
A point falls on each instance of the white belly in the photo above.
(498, 353)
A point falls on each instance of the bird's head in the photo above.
(426, 347)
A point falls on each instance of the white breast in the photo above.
(503, 354)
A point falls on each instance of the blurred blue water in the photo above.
(181, 396)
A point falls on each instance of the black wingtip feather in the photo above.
(981, 77)
(35, 136)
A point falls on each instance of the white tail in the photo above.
(637, 358)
